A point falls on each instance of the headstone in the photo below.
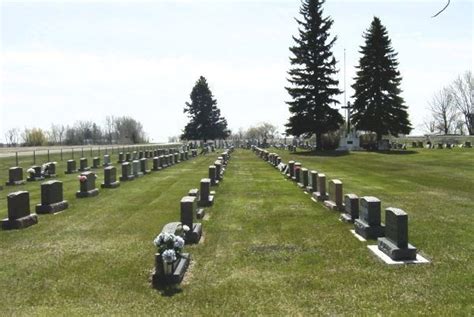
(83, 166)
(52, 200)
(121, 158)
(291, 167)
(71, 167)
(321, 194)
(313, 182)
(468, 144)
(335, 196)
(218, 166)
(296, 174)
(188, 210)
(87, 185)
(206, 197)
(351, 208)
(420, 144)
(156, 163)
(36, 175)
(395, 243)
(212, 175)
(368, 225)
(144, 166)
(135, 155)
(141, 155)
(110, 178)
(304, 179)
(128, 157)
(49, 170)
(15, 176)
(136, 169)
(126, 172)
(106, 160)
(19, 216)
(95, 162)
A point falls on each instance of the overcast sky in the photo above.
(63, 61)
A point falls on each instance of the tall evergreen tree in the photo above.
(378, 106)
(206, 122)
(313, 88)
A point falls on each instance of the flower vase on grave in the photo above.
(167, 268)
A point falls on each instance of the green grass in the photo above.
(267, 248)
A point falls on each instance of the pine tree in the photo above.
(206, 122)
(313, 88)
(378, 106)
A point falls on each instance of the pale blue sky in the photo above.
(63, 61)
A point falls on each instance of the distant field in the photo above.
(267, 250)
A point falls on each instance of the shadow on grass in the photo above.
(167, 290)
(322, 153)
(396, 152)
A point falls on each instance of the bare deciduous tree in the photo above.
(443, 111)
(462, 91)
(12, 136)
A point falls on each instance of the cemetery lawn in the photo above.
(267, 248)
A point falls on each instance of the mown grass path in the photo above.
(267, 250)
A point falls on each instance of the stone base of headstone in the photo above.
(156, 169)
(35, 179)
(20, 223)
(394, 252)
(345, 217)
(200, 213)
(146, 172)
(50, 176)
(193, 192)
(158, 278)
(367, 231)
(309, 189)
(70, 172)
(139, 174)
(111, 185)
(194, 235)
(127, 178)
(90, 193)
(333, 206)
(301, 185)
(206, 203)
(52, 208)
(320, 196)
(16, 183)
(215, 183)
(84, 169)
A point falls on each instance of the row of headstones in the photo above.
(18, 203)
(191, 210)
(364, 212)
(429, 145)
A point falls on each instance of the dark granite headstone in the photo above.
(313, 182)
(71, 167)
(87, 188)
(19, 216)
(136, 169)
(128, 157)
(206, 198)
(304, 179)
(351, 208)
(37, 175)
(291, 166)
(188, 210)
(296, 173)
(106, 160)
(51, 198)
(212, 175)
(218, 166)
(126, 172)
(49, 170)
(395, 243)
(83, 166)
(15, 176)
(95, 162)
(110, 178)
(156, 163)
(121, 158)
(368, 225)
(144, 166)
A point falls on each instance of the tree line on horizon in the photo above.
(115, 130)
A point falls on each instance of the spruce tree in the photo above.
(205, 122)
(378, 106)
(313, 88)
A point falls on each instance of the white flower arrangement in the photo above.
(169, 246)
(169, 256)
(31, 170)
